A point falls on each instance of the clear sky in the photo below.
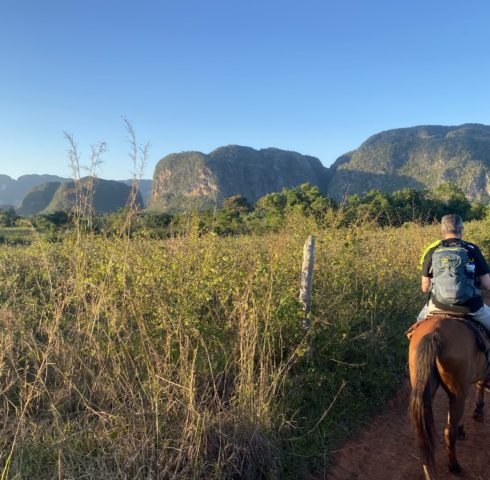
(315, 76)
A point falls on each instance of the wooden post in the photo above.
(307, 279)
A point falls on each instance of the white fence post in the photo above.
(307, 279)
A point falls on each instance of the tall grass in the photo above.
(184, 358)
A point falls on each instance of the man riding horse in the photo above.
(445, 350)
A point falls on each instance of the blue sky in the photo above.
(313, 76)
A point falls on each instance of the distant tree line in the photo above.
(238, 216)
(8, 217)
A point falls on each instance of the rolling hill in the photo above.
(38, 198)
(108, 196)
(12, 191)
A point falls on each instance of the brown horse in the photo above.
(443, 351)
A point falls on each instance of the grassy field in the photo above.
(185, 358)
(15, 235)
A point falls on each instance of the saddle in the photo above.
(481, 336)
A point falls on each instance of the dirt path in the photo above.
(386, 450)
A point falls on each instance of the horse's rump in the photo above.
(480, 335)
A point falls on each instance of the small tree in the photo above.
(8, 217)
(452, 199)
(237, 205)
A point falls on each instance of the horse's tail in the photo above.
(426, 380)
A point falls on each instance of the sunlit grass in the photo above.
(184, 358)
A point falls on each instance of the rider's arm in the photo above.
(485, 281)
(426, 267)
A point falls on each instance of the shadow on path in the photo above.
(387, 449)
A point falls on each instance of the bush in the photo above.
(8, 217)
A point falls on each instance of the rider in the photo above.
(453, 272)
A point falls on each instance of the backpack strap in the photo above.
(427, 250)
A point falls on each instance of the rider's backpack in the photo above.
(453, 275)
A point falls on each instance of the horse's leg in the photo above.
(427, 474)
(456, 410)
(478, 414)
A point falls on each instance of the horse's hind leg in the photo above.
(478, 414)
(456, 410)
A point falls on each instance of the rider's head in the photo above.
(452, 226)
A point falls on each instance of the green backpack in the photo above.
(453, 275)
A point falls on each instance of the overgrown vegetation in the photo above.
(184, 358)
(237, 216)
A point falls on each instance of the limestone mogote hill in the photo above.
(191, 180)
(416, 157)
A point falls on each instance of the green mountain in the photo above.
(38, 198)
(421, 157)
(144, 186)
(13, 191)
(108, 195)
(418, 157)
(195, 180)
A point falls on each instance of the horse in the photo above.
(443, 351)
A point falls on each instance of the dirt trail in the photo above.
(386, 450)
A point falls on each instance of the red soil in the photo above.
(387, 450)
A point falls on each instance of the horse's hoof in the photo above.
(461, 433)
(455, 469)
